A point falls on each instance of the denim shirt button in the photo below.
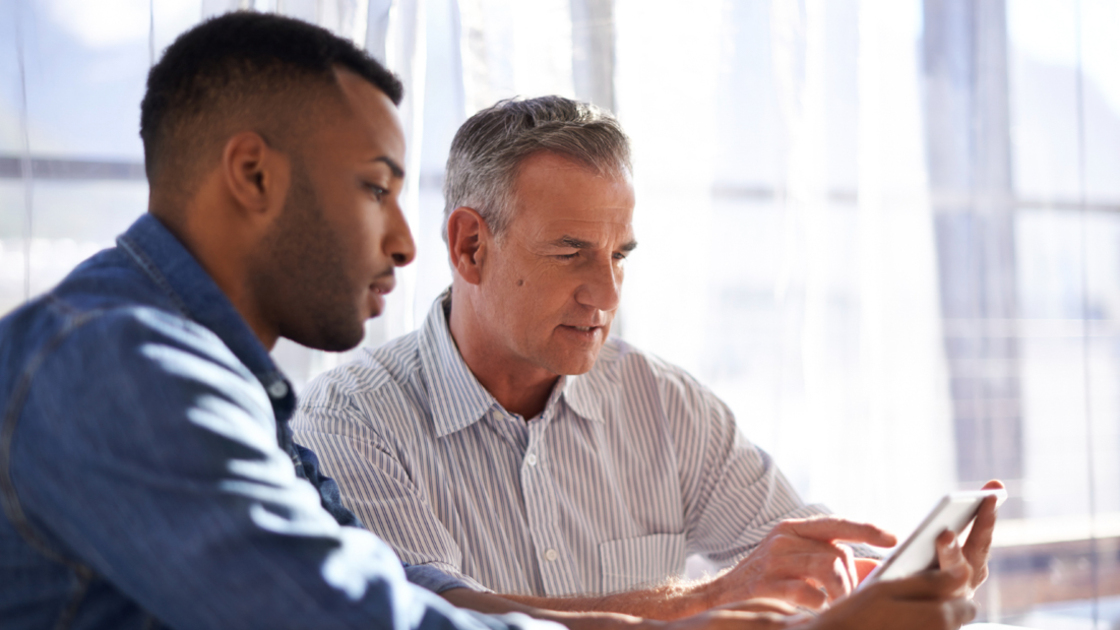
(279, 389)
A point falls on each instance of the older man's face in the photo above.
(554, 279)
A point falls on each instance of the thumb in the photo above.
(927, 585)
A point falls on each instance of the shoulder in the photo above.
(149, 336)
(133, 384)
(102, 311)
(110, 279)
(372, 379)
(137, 352)
(635, 391)
(625, 366)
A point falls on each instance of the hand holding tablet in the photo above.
(954, 512)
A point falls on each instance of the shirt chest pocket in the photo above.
(632, 563)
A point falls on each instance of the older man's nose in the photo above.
(602, 288)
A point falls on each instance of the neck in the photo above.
(518, 388)
(218, 248)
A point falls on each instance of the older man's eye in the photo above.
(567, 256)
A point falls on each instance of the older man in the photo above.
(512, 444)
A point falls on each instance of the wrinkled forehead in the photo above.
(606, 227)
(555, 197)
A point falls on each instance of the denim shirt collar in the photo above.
(176, 271)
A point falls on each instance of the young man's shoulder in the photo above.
(108, 346)
(103, 306)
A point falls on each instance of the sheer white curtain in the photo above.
(786, 254)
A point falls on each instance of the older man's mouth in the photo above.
(582, 332)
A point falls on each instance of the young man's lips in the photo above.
(383, 287)
(377, 292)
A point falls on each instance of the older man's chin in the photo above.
(571, 361)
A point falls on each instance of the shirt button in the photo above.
(551, 555)
(279, 389)
(531, 459)
(495, 414)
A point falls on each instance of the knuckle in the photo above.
(946, 617)
(980, 574)
(952, 614)
(782, 543)
(805, 594)
(784, 527)
(965, 611)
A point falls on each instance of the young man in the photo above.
(147, 472)
(513, 445)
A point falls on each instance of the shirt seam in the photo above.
(150, 269)
(9, 497)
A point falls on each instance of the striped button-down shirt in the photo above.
(629, 469)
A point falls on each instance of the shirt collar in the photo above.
(195, 294)
(585, 394)
(456, 397)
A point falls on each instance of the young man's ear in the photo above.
(467, 239)
(256, 175)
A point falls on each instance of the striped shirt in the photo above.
(629, 469)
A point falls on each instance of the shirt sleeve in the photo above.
(378, 487)
(146, 452)
(732, 491)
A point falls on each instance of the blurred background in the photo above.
(886, 232)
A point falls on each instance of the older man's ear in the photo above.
(466, 243)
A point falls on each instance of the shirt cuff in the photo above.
(432, 578)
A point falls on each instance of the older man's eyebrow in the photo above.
(578, 243)
(396, 169)
(573, 242)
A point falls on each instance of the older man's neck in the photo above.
(525, 399)
(517, 387)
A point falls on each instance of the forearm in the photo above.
(573, 618)
(674, 600)
(754, 615)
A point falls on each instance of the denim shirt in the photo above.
(149, 479)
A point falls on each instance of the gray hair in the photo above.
(489, 148)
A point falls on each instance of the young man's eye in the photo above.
(377, 191)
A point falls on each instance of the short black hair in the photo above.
(243, 65)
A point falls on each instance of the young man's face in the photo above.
(341, 232)
(553, 280)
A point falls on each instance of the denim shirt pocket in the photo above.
(632, 563)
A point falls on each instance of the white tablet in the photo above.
(955, 512)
